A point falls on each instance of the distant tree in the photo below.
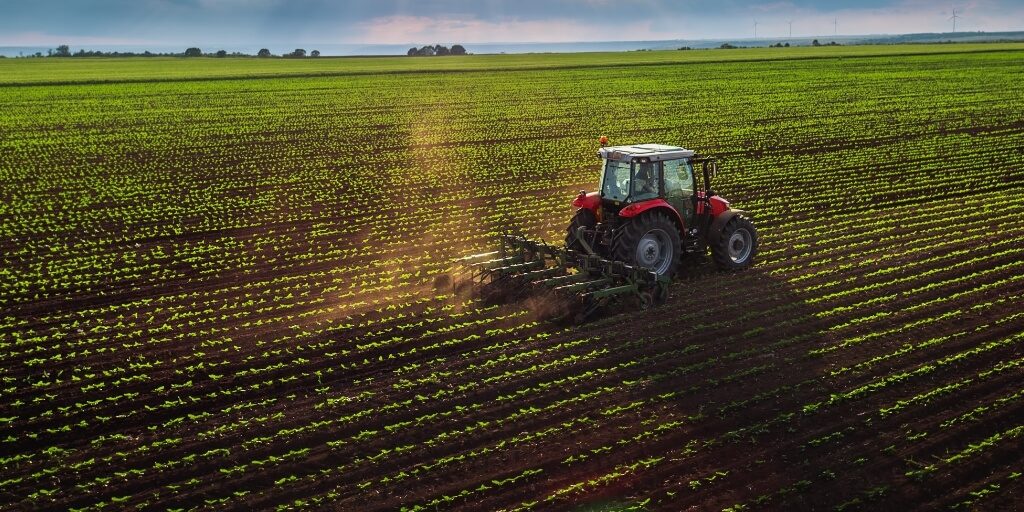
(684, 48)
(263, 53)
(787, 45)
(62, 51)
(222, 53)
(193, 52)
(314, 53)
(429, 51)
(726, 46)
(815, 43)
(298, 53)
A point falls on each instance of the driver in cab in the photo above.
(646, 182)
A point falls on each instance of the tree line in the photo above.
(65, 51)
(436, 50)
(299, 53)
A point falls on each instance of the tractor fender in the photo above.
(718, 204)
(589, 201)
(715, 232)
(636, 209)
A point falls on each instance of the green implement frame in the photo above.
(578, 282)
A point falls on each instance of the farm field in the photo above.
(154, 69)
(228, 294)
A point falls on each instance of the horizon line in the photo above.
(307, 43)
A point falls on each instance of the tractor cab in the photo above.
(645, 172)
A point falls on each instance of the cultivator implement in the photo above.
(568, 284)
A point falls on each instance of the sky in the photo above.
(197, 22)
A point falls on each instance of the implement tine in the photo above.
(475, 257)
(580, 282)
(577, 287)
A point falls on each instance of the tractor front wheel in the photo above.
(737, 246)
(650, 241)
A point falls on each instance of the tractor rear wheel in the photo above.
(737, 246)
(650, 241)
(583, 218)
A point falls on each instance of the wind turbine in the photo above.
(835, 25)
(954, 17)
(755, 29)
(791, 29)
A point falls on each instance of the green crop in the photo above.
(223, 283)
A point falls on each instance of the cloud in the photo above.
(44, 39)
(205, 22)
(426, 29)
(895, 17)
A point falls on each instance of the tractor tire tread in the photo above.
(720, 252)
(629, 235)
(583, 217)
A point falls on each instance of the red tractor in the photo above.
(652, 209)
(627, 239)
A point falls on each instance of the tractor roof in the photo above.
(648, 152)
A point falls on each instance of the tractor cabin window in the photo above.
(678, 178)
(625, 182)
(679, 188)
(615, 180)
(645, 181)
